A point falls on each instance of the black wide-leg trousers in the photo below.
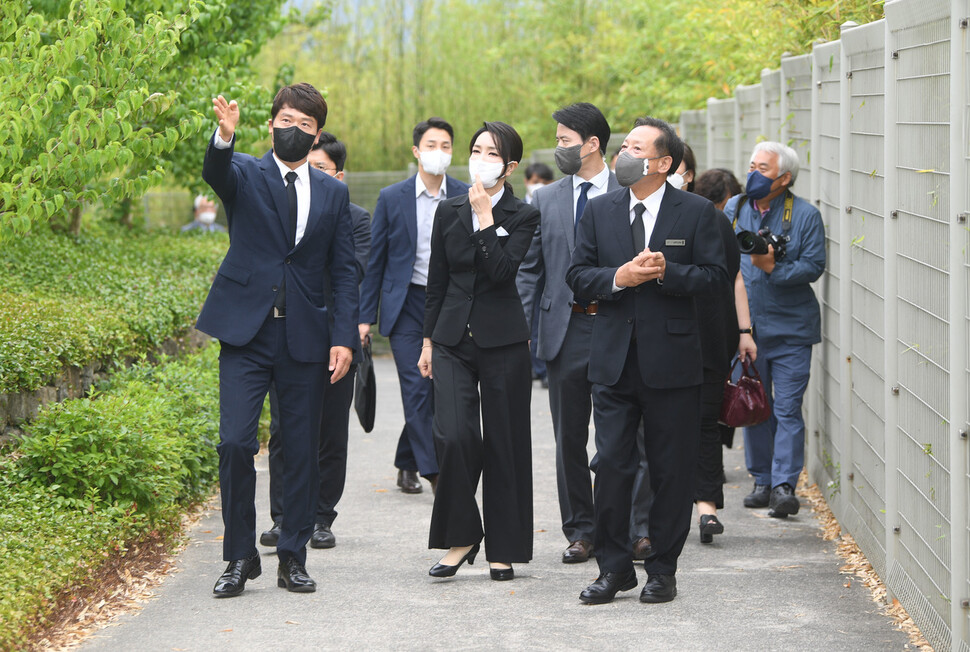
(482, 429)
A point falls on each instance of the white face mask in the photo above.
(207, 217)
(488, 172)
(677, 180)
(435, 161)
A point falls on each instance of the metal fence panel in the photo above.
(693, 129)
(796, 123)
(826, 141)
(921, 53)
(749, 119)
(865, 499)
(771, 104)
(721, 151)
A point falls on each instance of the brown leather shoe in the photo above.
(409, 482)
(577, 552)
(642, 548)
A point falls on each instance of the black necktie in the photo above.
(581, 202)
(291, 196)
(636, 229)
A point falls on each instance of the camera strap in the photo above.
(785, 220)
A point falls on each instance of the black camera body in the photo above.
(757, 243)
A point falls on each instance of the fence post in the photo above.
(847, 461)
(710, 135)
(736, 165)
(958, 330)
(891, 292)
(816, 382)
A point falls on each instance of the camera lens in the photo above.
(751, 243)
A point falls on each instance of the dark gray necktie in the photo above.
(636, 229)
(291, 196)
(581, 202)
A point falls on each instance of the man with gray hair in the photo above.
(784, 238)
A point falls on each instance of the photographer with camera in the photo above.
(784, 238)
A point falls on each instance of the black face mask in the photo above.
(292, 144)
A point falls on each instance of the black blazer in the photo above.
(471, 277)
(667, 332)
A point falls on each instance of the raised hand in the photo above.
(481, 203)
(227, 113)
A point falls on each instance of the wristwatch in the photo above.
(745, 330)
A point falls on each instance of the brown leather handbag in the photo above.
(745, 402)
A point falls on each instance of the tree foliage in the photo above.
(104, 98)
(389, 63)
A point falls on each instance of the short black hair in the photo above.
(668, 143)
(540, 170)
(690, 164)
(304, 98)
(717, 185)
(431, 123)
(335, 150)
(507, 140)
(586, 120)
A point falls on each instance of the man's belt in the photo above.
(585, 310)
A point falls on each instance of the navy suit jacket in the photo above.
(667, 330)
(394, 241)
(259, 258)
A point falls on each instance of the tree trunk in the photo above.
(75, 227)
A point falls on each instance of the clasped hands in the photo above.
(645, 266)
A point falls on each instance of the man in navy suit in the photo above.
(395, 282)
(328, 156)
(644, 253)
(289, 228)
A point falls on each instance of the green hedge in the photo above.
(92, 474)
(110, 294)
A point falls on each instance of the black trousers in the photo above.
(671, 431)
(245, 374)
(493, 384)
(709, 478)
(332, 452)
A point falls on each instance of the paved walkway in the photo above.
(764, 584)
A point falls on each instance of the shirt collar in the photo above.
(419, 188)
(302, 172)
(652, 202)
(497, 196)
(599, 181)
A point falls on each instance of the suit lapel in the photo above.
(271, 175)
(316, 203)
(566, 208)
(666, 219)
(621, 223)
(465, 213)
(410, 211)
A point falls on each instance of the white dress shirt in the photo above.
(495, 198)
(425, 205)
(302, 184)
(599, 187)
(652, 205)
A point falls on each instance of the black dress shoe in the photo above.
(659, 588)
(709, 526)
(607, 585)
(577, 552)
(322, 537)
(758, 497)
(233, 580)
(409, 482)
(293, 577)
(442, 570)
(642, 549)
(783, 501)
(271, 536)
(502, 574)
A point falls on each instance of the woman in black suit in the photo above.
(476, 340)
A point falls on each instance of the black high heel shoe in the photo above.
(709, 526)
(502, 574)
(442, 570)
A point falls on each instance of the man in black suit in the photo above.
(644, 253)
(329, 156)
(289, 228)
